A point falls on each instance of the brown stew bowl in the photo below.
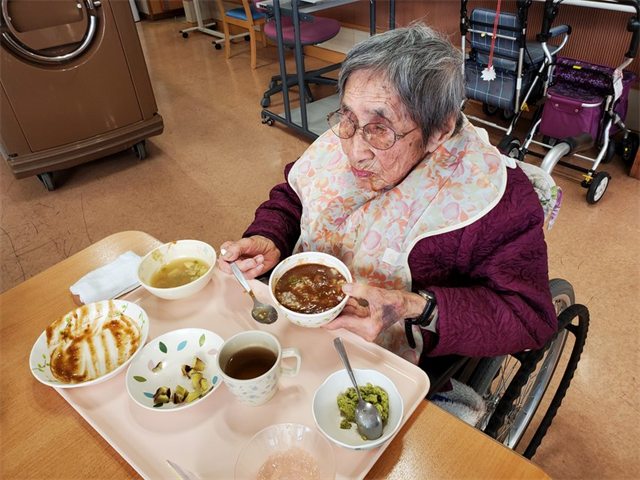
(311, 320)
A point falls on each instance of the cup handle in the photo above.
(291, 352)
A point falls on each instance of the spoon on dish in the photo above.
(368, 418)
(261, 312)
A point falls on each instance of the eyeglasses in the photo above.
(377, 135)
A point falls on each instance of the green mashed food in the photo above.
(348, 400)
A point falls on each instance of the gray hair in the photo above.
(423, 67)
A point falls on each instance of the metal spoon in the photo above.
(261, 312)
(368, 418)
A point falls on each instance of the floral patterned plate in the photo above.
(39, 360)
(160, 365)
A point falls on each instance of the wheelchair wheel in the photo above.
(513, 386)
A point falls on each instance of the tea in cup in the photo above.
(250, 364)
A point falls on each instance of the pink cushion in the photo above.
(311, 33)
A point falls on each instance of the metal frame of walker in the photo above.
(204, 28)
(521, 98)
(595, 182)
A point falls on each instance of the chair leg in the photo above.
(264, 37)
(307, 91)
(252, 39)
(227, 42)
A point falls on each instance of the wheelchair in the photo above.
(513, 386)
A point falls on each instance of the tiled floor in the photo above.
(215, 162)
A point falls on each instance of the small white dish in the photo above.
(172, 350)
(328, 417)
(166, 254)
(39, 360)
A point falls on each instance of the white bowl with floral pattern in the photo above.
(160, 362)
(311, 320)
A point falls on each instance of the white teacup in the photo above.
(250, 364)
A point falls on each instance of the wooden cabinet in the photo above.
(157, 9)
(635, 168)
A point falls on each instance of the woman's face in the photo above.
(370, 99)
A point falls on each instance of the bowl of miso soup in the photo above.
(177, 269)
(307, 288)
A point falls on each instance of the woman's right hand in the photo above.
(253, 255)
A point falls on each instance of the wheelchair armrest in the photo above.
(560, 30)
(440, 370)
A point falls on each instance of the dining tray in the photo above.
(206, 439)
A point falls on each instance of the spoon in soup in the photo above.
(261, 312)
(368, 418)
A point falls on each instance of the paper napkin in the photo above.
(110, 281)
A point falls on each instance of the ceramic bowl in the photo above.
(328, 417)
(93, 314)
(305, 319)
(169, 252)
(160, 365)
(289, 449)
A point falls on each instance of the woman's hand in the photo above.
(370, 310)
(253, 255)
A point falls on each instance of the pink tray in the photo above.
(207, 438)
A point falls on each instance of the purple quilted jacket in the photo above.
(490, 278)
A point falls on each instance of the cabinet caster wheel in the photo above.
(265, 102)
(185, 34)
(140, 150)
(269, 121)
(47, 180)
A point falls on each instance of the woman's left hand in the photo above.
(385, 307)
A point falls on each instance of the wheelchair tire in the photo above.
(520, 385)
(489, 369)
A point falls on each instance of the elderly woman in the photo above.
(445, 242)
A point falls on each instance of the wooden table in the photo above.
(44, 437)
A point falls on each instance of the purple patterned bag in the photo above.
(575, 102)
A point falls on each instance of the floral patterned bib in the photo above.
(372, 232)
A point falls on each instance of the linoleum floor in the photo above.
(215, 163)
